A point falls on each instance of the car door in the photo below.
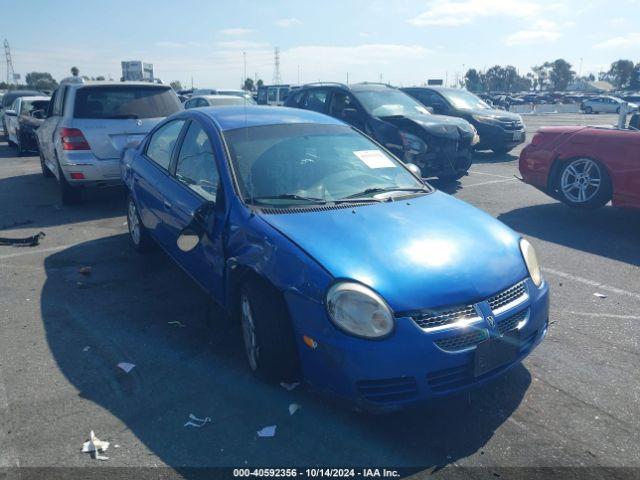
(151, 178)
(196, 183)
(316, 100)
(48, 128)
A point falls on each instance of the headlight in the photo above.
(485, 119)
(531, 260)
(412, 144)
(358, 310)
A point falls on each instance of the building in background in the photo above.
(135, 70)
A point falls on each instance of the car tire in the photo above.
(618, 110)
(68, 195)
(46, 172)
(19, 150)
(138, 234)
(583, 183)
(267, 333)
(588, 110)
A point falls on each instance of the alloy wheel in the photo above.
(249, 333)
(581, 180)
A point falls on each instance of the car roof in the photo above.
(233, 117)
(107, 83)
(35, 98)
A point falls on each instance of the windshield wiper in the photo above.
(372, 191)
(289, 196)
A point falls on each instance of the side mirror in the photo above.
(39, 114)
(413, 168)
(352, 116)
(10, 113)
(191, 235)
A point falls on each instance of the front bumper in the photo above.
(95, 171)
(407, 367)
(499, 137)
(441, 162)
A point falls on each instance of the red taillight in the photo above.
(73, 139)
(77, 175)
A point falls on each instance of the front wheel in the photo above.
(584, 183)
(19, 149)
(267, 333)
(588, 110)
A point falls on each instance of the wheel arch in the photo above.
(554, 172)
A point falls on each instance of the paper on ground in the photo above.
(197, 422)
(269, 431)
(293, 408)
(599, 295)
(95, 445)
(127, 367)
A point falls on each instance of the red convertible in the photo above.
(585, 167)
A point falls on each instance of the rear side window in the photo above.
(118, 102)
(316, 100)
(196, 166)
(162, 143)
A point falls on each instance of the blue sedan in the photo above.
(341, 265)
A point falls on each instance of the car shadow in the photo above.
(487, 156)
(126, 310)
(39, 205)
(607, 232)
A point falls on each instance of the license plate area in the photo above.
(518, 136)
(495, 353)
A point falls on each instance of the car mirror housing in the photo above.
(191, 235)
(10, 113)
(413, 168)
(188, 239)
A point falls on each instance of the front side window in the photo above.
(282, 165)
(388, 102)
(29, 106)
(273, 94)
(196, 165)
(161, 144)
(122, 102)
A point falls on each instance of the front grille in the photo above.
(509, 324)
(321, 208)
(508, 298)
(443, 317)
(388, 389)
(462, 341)
(513, 126)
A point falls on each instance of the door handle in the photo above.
(167, 205)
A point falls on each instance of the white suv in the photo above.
(89, 124)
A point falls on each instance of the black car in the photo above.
(8, 99)
(440, 146)
(499, 130)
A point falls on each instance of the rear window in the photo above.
(125, 102)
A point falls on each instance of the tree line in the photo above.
(550, 76)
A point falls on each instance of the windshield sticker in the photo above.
(374, 159)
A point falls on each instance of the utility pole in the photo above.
(347, 78)
(580, 70)
(276, 66)
(298, 74)
(11, 74)
(380, 78)
(244, 59)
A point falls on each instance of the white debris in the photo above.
(95, 446)
(289, 386)
(599, 295)
(269, 431)
(197, 422)
(293, 408)
(127, 367)
(176, 323)
(86, 349)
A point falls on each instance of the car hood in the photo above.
(422, 252)
(499, 115)
(452, 128)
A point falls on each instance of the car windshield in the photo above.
(29, 106)
(297, 164)
(389, 102)
(465, 100)
(121, 102)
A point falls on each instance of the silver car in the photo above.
(88, 124)
(606, 104)
(217, 101)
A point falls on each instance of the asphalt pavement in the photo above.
(574, 402)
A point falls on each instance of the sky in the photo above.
(403, 42)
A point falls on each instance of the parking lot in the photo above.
(574, 401)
